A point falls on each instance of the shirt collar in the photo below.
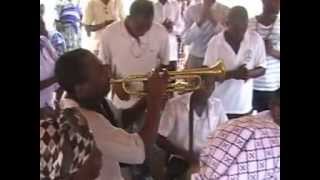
(124, 32)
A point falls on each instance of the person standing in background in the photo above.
(68, 23)
(99, 14)
(202, 22)
(167, 13)
(268, 26)
(243, 53)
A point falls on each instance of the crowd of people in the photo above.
(227, 129)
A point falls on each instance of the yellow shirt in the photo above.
(97, 12)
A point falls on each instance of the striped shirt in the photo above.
(270, 81)
(70, 14)
(58, 42)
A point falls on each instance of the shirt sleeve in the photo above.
(104, 51)
(88, 14)
(211, 55)
(167, 120)
(116, 143)
(164, 49)
(260, 60)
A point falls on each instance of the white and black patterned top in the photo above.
(65, 131)
(242, 149)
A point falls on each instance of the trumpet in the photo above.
(184, 80)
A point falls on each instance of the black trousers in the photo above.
(262, 99)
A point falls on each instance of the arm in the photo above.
(97, 27)
(48, 82)
(172, 149)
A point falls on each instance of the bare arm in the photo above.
(163, 143)
(97, 27)
(48, 82)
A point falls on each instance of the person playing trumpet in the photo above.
(86, 81)
(193, 111)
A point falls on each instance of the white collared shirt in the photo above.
(48, 57)
(115, 144)
(198, 37)
(174, 122)
(127, 57)
(236, 95)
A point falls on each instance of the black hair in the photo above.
(142, 8)
(70, 69)
(238, 13)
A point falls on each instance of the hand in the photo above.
(118, 90)
(242, 73)
(168, 24)
(157, 84)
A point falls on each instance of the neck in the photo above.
(231, 38)
(267, 16)
(130, 27)
(88, 104)
(198, 100)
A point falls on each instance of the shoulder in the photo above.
(254, 36)
(158, 29)
(113, 29)
(215, 39)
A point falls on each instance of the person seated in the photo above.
(197, 108)
(87, 81)
(67, 149)
(244, 148)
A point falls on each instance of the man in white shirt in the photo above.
(243, 54)
(134, 46)
(196, 111)
(268, 26)
(246, 148)
(98, 14)
(86, 81)
(202, 22)
(167, 13)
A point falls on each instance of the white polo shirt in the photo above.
(115, 144)
(174, 122)
(236, 95)
(127, 57)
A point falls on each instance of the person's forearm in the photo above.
(254, 73)
(275, 53)
(163, 143)
(97, 27)
(48, 82)
(149, 131)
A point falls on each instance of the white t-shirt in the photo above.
(115, 144)
(270, 81)
(236, 95)
(127, 57)
(174, 123)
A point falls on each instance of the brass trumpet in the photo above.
(181, 84)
